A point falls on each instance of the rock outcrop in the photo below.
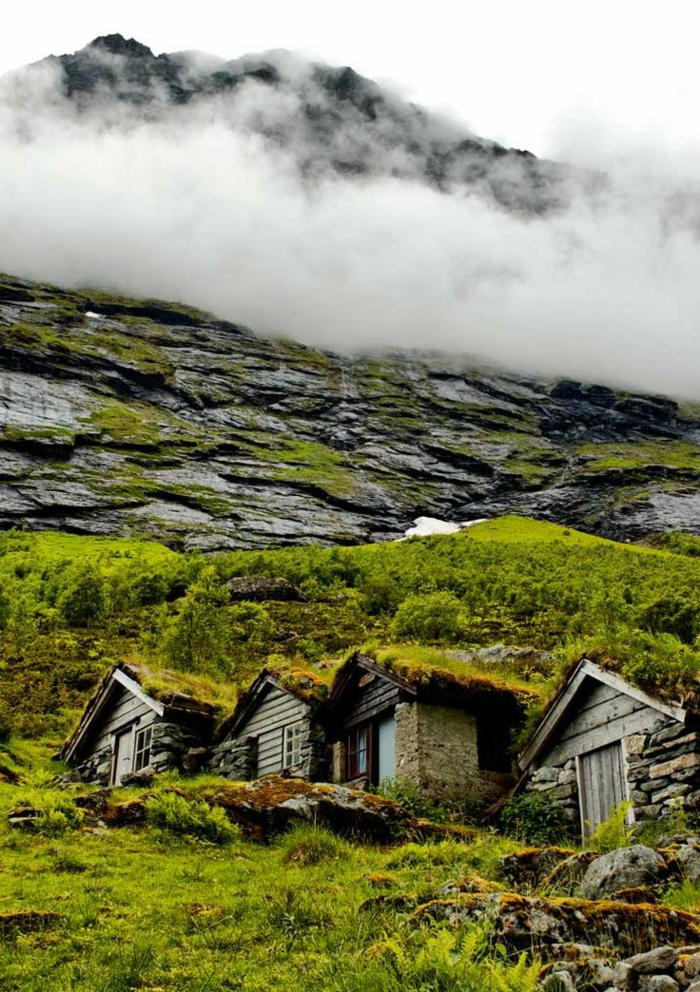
(133, 417)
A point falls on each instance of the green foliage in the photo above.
(310, 845)
(178, 815)
(429, 617)
(532, 817)
(84, 600)
(614, 832)
(197, 637)
(408, 796)
(59, 814)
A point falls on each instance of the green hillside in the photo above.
(70, 606)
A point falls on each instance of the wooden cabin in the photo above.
(136, 724)
(275, 728)
(602, 741)
(445, 733)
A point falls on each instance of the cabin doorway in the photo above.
(123, 754)
(602, 785)
(386, 748)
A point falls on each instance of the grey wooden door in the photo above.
(123, 750)
(602, 784)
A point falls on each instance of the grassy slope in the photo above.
(145, 910)
(511, 580)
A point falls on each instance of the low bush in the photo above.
(178, 815)
(412, 800)
(534, 818)
(310, 845)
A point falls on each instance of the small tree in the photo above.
(84, 600)
(197, 638)
(433, 616)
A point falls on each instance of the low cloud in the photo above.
(198, 204)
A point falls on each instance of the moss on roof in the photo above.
(435, 674)
(177, 688)
(307, 686)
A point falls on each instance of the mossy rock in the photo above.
(522, 923)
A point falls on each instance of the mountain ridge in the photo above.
(338, 123)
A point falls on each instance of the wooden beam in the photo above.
(136, 689)
(617, 682)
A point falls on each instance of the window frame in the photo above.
(292, 738)
(358, 751)
(138, 761)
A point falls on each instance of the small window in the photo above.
(358, 752)
(142, 750)
(291, 754)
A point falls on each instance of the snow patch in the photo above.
(425, 526)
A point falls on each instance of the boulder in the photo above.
(686, 861)
(274, 803)
(526, 869)
(260, 588)
(625, 868)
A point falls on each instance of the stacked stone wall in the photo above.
(663, 770)
(559, 783)
(237, 758)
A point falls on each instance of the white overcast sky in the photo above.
(535, 74)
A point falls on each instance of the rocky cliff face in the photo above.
(132, 417)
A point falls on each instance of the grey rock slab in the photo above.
(625, 868)
(659, 959)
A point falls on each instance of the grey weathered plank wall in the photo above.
(604, 716)
(370, 700)
(127, 709)
(278, 710)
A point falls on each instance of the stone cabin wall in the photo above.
(237, 758)
(662, 769)
(437, 753)
(169, 744)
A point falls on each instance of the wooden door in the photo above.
(123, 751)
(602, 785)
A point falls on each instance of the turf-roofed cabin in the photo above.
(138, 722)
(276, 728)
(603, 741)
(446, 732)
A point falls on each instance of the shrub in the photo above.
(533, 817)
(176, 814)
(413, 801)
(58, 816)
(614, 832)
(429, 617)
(84, 601)
(310, 845)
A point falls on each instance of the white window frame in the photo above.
(291, 744)
(146, 733)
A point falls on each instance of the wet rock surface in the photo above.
(120, 416)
